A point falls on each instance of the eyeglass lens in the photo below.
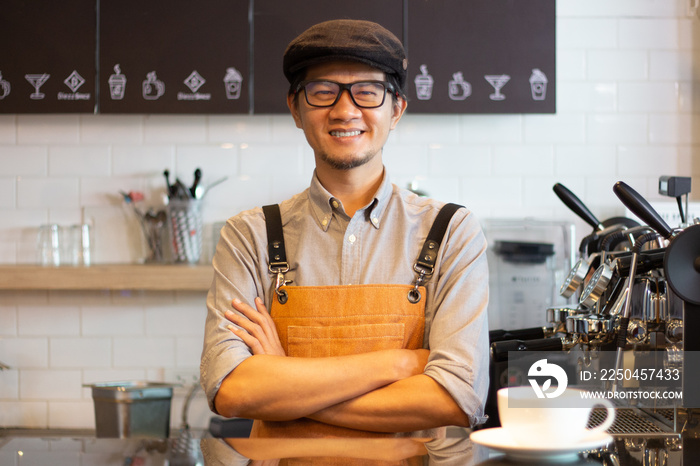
(326, 93)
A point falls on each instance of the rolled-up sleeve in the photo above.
(457, 319)
(236, 275)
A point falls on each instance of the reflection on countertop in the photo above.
(80, 447)
(66, 447)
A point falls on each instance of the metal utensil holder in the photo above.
(185, 221)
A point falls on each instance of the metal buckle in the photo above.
(423, 270)
(414, 295)
(280, 268)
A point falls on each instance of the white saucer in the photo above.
(499, 439)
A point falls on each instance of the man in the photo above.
(360, 337)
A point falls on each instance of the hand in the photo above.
(423, 355)
(416, 361)
(255, 327)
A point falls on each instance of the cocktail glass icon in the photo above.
(497, 81)
(37, 80)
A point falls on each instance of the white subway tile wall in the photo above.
(628, 108)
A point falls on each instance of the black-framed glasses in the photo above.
(364, 94)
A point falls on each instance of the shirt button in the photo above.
(335, 204)
(324, 222)
(352, 238)
(375, 221)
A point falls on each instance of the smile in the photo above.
(345, 134)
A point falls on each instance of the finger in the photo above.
(251, 315)
(270, 327)
(250, 341)
(244, 308)
(244, 323)
(265, 327)
(258, 324)
(262, 319)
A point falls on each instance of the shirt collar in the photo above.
(322, 202)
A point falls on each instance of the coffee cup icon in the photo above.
(424, 84)
(117, 84)
(459, 89)
(152, 87)
(232, 82)
(4, 87)
(538, 84)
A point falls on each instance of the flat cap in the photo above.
(347, 39)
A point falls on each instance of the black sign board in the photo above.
(277, 22)
(47, 58)
(174, 56)
(178, 56)
(481, 56)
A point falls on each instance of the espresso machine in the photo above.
(635, 290)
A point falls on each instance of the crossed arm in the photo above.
(382, 391)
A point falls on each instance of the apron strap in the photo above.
(428, 255)
(275, 238)
(275, 249)
(425, 264)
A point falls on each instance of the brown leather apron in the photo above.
(324, 321)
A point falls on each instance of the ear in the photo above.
(292, 103)
(398, 108)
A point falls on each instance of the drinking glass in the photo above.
(76, 245)
(49, 245)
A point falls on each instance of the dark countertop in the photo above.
(27, 446)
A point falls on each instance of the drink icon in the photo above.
(5, 86)
(497, 81)
(424, 84)
(117, 84)
(37, 80)
(538, 84)
(459, 89)
(152, 87)
(232, 83)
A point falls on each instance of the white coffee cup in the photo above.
(560, 420)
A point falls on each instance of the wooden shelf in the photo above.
(107, 277)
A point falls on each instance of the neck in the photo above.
(355, 188)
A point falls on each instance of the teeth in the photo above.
(344, 134)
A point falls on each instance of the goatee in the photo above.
(340, 164)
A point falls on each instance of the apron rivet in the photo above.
(414, 296)
(282, 297)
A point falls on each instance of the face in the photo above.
(345, 136)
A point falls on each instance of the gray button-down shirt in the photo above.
(378, 245)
